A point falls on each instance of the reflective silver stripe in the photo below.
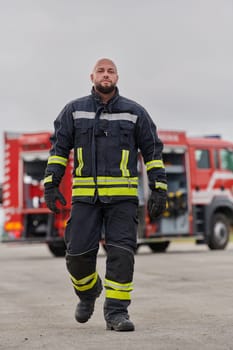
(83, 114)
(118, 286)
(106, 116)
(119, 116)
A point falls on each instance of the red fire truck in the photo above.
(200, 193)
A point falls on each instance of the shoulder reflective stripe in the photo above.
(83, 114)
(124, 162)
(57, 160)
(78, 170)
(161, 185)
(113, 294)
(118, 286)
(48, 179)
(81, 286)
(154, 164)
(114, 116)
(119, 116)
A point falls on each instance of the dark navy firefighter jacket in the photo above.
(106, 139)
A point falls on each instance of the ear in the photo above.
(91, 77)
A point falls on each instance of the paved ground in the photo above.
(183, 299)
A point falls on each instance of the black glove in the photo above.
(157, 203)
(51, 195)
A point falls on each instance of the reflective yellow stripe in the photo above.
(105, 180)
(115, 191)
(83, 192)
(107, 186)
(109, 180)
(79, 284)
(156, 163)
(118, 191)
(124, 162)
(83, 181)
(57, 160)
(161, 185)
(84, 280)
(48, 179)
(114, 294)
(118, 286)
(78, 170)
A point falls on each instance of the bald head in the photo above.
(104, 62)
(104, 78)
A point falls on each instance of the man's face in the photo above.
(104, 76)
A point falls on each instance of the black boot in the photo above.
(120, 323)
(116, 315)
(85, 307)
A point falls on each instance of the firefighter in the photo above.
(105, 130)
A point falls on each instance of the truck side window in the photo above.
(202, 158)
(0, 194)
(216, 160)
(226, 159)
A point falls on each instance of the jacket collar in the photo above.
(98, 100)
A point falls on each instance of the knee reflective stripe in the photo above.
(57, 160)
(85, 283)
(156, 163)
(115, 290)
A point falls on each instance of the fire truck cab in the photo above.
(200, 193)
(27, 219)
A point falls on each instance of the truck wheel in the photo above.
(159, 247)
(220, 231)
(58, 249)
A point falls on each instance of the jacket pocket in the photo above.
(83, 132)
(126, 134)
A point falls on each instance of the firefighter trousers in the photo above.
(83, 232)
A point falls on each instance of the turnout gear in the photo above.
(105, 138)
(157, 203)
(51, 195)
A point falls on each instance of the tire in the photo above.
(58, 249)
(159, 247)
(220, 231)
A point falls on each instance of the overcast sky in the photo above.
(175, 57)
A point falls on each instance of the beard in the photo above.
(105, 89)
